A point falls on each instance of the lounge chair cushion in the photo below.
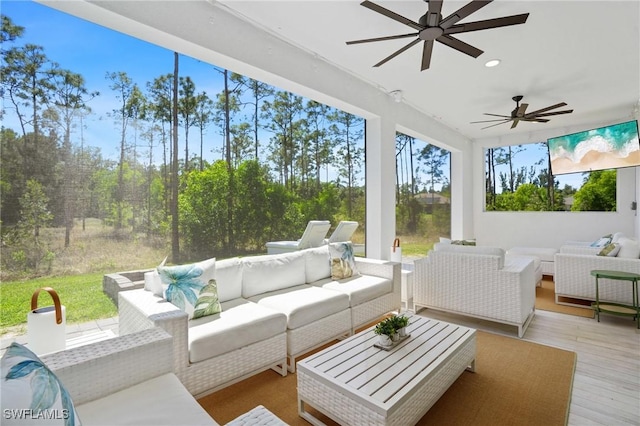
(240, 323)
(360, 289)
(304, 304)
(262, 274)
(162, 400)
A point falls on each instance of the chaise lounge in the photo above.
(313, 236)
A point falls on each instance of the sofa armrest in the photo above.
(99, 369)
(141, 309)
(381, 268)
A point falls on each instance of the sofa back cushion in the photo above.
(262, 274)
(229, 279)
(474, 250)
(317, 263)
(629, 248)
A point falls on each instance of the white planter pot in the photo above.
(385, 340)
(402, 332)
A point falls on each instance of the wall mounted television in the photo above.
(608, 147)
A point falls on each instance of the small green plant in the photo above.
(400, 321)
(385, 327)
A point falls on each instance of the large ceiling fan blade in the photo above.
(498, 115)
(549, 114)
(515, 123)
(433, 15)
(463, 12)
(521, 109)
(494, 125)
(538, 120)
(460, 46)
(561, 104)
(392, 15)
(490, 121)
(426, 54)
(394, 37)
(487, 24)
(397, 52)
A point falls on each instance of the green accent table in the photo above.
(618, 308)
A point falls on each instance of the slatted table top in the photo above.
(380, 379)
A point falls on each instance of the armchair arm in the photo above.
(99, 369)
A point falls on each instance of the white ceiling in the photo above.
(584, 53)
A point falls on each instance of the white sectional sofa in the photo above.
(575, 261)
(478, 281)
(274, 308)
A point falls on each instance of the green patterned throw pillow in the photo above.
(192, 288)
(610, 250)
(31, 393)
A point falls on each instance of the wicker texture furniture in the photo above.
(573, 279)
(267, 283)
(124, 371)
(479, 282)
(354, 382)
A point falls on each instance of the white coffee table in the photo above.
(353, 382)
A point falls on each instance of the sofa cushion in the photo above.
(343, 264)
(240, 323)
(229, 279)
(262, 274)
(304, 304)
(629, 249)
(29, 384)
(182, 284)
(317, 263)
(360, 289)
(162, 400)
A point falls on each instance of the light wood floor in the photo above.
(606, 387)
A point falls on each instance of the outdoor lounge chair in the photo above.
(343, 232)
(313, 237)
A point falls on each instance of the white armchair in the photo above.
(479, 282)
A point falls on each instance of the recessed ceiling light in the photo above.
(492, 63)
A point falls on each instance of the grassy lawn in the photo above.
(81, 295)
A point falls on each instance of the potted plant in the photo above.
(386, 330)
(400, 322)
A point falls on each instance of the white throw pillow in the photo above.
(31, 393)
(629, 249)
(191, 287)
(152, 281)
(616, 237)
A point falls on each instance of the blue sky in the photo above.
(92, 51)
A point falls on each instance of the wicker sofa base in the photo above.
(522, 327)
(208, 376)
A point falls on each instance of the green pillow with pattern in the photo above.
(610, 250)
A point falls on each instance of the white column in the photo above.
(380, 192)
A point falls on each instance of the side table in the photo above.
(618, 308)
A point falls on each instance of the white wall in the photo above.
(551, 229)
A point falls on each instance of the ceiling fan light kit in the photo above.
(519, 114)
(432, 27)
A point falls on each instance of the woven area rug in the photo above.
(545, 301)
(515, 383)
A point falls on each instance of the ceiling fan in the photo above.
(432, 27)
(520, 114)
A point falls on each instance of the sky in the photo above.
(93, 51)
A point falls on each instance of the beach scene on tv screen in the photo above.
(607, 147)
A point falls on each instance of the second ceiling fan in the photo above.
(519, 114)
(431, 27)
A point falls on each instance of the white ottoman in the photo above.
(546, 256)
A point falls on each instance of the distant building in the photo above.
(428, 198)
